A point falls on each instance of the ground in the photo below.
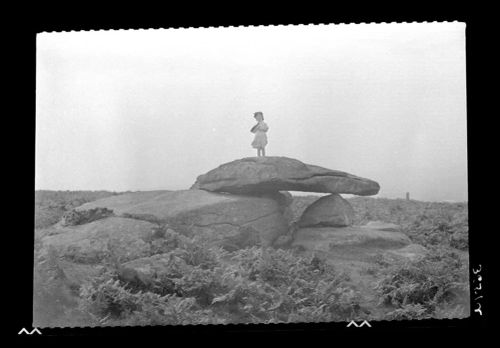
(256, 285)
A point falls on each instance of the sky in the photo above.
(153, 109)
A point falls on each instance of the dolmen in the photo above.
(278, 175)
(275, 176)
(239, 204)
(326, 226)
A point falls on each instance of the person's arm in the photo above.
(254, 128)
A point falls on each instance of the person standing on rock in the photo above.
(260, 129)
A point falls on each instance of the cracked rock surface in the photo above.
(134, 230)
(196, 212)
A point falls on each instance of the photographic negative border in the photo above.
(475, 40)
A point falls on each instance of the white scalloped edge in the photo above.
(253, 26)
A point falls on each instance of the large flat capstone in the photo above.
(264, 174)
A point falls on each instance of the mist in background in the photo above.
(153, 109)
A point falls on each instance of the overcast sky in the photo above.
(152, 109)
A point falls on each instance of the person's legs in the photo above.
(258, 152)
(263, 151)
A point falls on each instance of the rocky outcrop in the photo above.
(141, 219)
(331, 210)
(383, 226)
(219, 217)
(412, 252)
(150, 238)
(239, 204)
(254, 175)
(330, 238)
(355, 243)
(91, 243)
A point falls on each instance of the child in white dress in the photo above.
(260, 129)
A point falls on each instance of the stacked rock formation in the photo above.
(326, 225)
(272, 175)
(236, 205)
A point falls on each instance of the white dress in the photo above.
(260, 140)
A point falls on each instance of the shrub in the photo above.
(246, 237)
(144, 217)
(51, 295)
(460, 240)
(408, 312)
(109, 302)
(428, 224)
(419, 288)
(50, 206)
(277, 286)
(165, 240)
(211, 285)
(76, 217)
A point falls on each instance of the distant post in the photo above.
(407, 196)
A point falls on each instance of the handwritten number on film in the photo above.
(478, 288)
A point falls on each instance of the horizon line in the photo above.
(300, 193)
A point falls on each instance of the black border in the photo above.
(478, 39)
